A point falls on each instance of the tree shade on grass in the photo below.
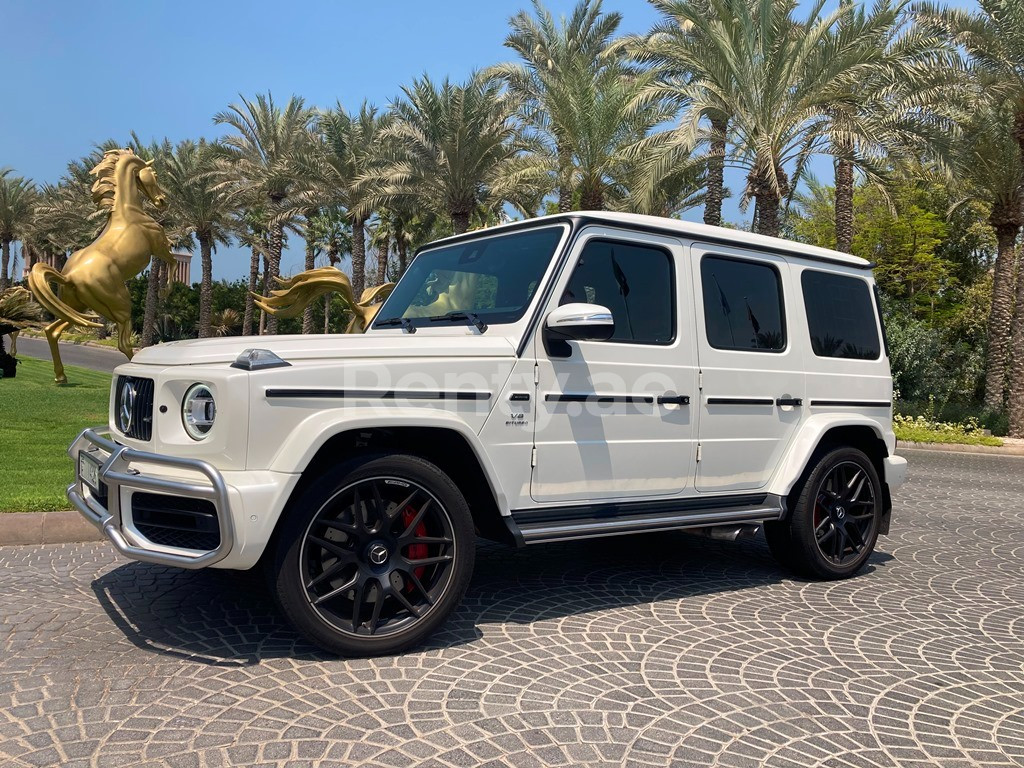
(37, 423)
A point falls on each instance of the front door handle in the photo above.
(673, 399)
(789, 401)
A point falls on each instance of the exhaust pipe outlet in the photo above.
(728, 532)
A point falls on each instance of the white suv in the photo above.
(566, 377)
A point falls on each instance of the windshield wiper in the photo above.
(405, 322)
(460, 315)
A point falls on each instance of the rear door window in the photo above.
(742, 305)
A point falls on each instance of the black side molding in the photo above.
(370, 394)
(740, 401)
(851, 403)
(596, 398)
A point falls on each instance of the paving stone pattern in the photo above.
(641, 651)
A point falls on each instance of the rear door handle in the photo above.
(673, 399)
(789, 401)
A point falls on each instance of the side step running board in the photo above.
(535, 526)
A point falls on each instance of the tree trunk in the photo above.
(274, 268)
(460, 221)
(767, 201)
(716, 173)
(205, 286)
(358, 258)
(250, 304)
(1000, 316)
(4, 279)
(592, 198)
(844, 205)
(307, 313)
(564, 181)
(1016, 405)
(403, 255)
(383, 252)
(264, 285)
(327, 313)
(152, 305)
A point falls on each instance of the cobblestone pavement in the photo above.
(643, 651)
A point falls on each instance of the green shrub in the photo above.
(920, 429)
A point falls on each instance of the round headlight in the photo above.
(198, 411)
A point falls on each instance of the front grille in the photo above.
(141, 426)
(174, 521)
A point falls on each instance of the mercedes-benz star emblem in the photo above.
(126, 406)
(840, 513)
(378, 554)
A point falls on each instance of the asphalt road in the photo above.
(662, 650)
(96, 358)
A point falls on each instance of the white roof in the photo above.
(702, 231)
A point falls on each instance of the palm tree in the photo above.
(608, 123)
(987, 166)
(200, 206)
(684, 60)
(260, 160)
(556, 60)
(993, 38)
(18, 198)
(349, 148)
(456, 147)
(895, 109)
(771, 81)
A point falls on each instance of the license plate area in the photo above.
(89, 472)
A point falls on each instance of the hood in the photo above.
(323, 347)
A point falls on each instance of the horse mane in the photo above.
(105, 186)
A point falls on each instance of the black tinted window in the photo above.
(634, 282)
(742, 305)
(840, 316)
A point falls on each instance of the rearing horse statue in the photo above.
(93, 280)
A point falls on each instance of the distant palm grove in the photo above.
(919, 107)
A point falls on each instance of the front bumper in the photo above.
(194, 479)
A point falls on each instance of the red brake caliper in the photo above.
(415, 551)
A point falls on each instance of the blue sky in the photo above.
(79, 73)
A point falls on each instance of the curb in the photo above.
(86, 343)
(991, 450)
(19, 528)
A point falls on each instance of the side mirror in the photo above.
(580, 322)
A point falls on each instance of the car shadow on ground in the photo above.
(226, 618)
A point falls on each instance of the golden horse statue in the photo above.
(92, 282)
(298, 292)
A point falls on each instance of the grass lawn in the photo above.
(38, 420)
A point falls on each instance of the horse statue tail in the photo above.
(298, 292)
(39, 282)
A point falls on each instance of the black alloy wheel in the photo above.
(371, 559)
(377, 556)
(844, 513)
(834, 518)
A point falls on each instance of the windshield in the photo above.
(493, 278)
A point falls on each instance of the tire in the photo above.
(381, 581)
(833, 526)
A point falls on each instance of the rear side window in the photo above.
(635, 282)
(742, 305)
(840, 316)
